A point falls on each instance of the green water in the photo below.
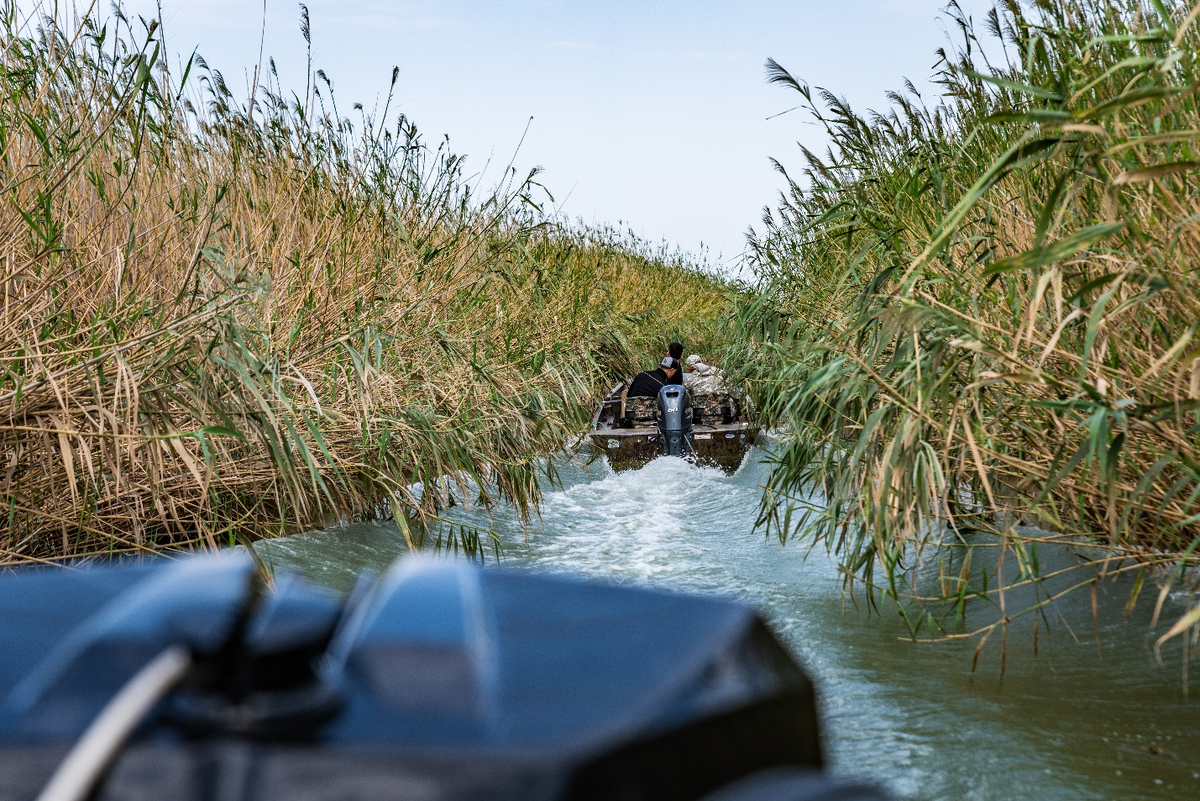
(1068, 724)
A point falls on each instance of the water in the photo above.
(1068, 724)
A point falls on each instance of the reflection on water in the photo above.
(1068, 724)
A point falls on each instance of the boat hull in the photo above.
(722, 446)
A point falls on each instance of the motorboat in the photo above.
(631, 432)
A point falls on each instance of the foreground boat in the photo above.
(627, 430)
(188, 680)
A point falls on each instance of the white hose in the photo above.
(103, 740)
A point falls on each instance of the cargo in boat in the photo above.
(630, 432)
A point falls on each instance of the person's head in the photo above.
(692, 361)
(669, 365)
(675, 350)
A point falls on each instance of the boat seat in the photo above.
(715, 407)
(643, 410)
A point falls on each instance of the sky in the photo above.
(652, 114)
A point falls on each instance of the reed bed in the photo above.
(225, 320)
(979, 318)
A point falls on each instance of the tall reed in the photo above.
(980, 315)
(224, 320)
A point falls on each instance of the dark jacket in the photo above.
(678, 377)
(647, 383)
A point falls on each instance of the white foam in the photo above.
(643, 524)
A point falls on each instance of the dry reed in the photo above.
(225, 320)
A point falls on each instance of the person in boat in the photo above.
(712, 400)
(675, 351)
(647, 383)
(701, 378)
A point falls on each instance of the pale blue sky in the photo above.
(652, 113)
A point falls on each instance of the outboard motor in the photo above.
(675, 420)
(189, 680)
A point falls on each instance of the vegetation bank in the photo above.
(224, 320)
(979, 316)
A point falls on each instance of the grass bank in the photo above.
(980, 310)
(226, 319)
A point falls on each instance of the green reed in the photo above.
(979, 317)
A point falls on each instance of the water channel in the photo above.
(1074, 722)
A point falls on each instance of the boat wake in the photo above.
(641, 525)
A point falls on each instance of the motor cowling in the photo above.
(440, 680)
(675, 420)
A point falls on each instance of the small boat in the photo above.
(630, 433)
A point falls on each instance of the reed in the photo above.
(225, 319)
(979, 316)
